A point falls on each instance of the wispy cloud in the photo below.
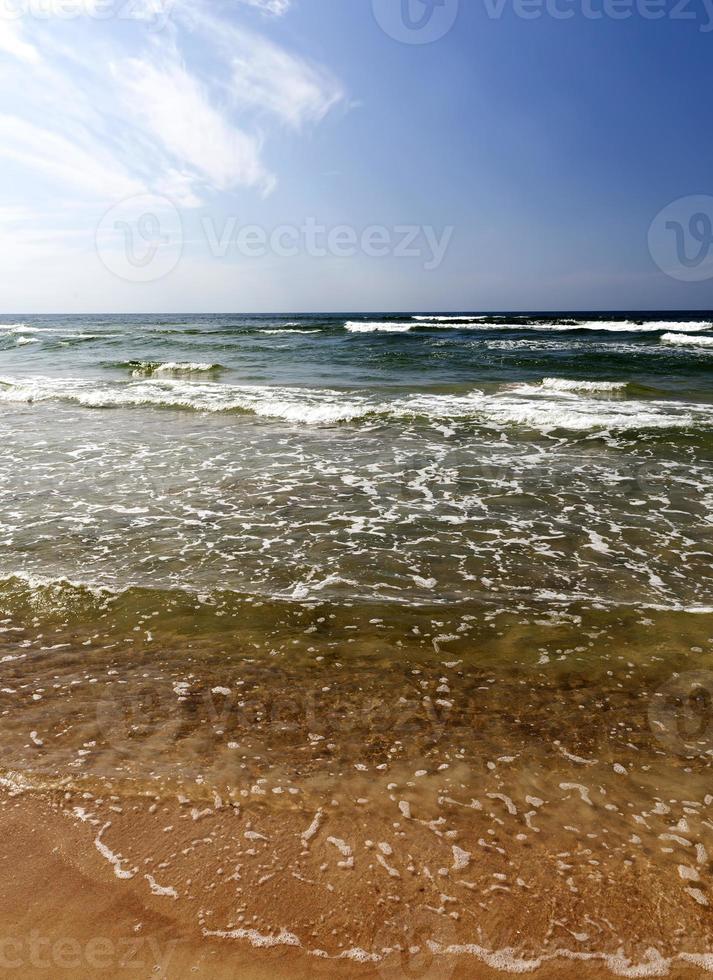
(106, 109)
(275, 7)
(176, 110)
(262, 77)
(12, 42)
(63, 160)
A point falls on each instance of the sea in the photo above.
(445, 578)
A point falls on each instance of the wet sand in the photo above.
(357, 793)
(77, 909)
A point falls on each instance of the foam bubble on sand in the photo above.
(15, 783)
(579, 788)
(505, 960)
(308, 834)
(684, 339)
(376, 327)
(653, 964)
(255, 938)
(160, 890)
(697, 895)
(114, 859)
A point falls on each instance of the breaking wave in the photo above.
(547, 406)
(685, 339)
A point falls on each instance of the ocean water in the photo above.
(405, 459)
(431, 568)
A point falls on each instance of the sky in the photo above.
(355, 155)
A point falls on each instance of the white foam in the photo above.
(377, 327)
(451, 319)
(15, 783)
(685, 339)
(627, 326)
(308, 834)
(160, 890)
(564, 384)
(281, 330)
(547, 410)
(114, 859)
(172, 367)
(291, 404)
(255, 938)
(541, 408)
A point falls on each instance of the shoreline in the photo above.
(85, 904)
(333, 787)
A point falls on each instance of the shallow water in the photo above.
(447, 583)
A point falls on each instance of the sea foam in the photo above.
(376, 327)
(685, 339)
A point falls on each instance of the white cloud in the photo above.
(64, 160)
(269, 79)
(174, 107)
(264, 77)
(94, 112)
(12, 43)
(275, 7)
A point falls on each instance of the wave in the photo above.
(21, 341)
(545, 408)
(685, 339)
(449, 319)
(311, 406)
(140, 369)
(548, 410)
(559, 326)
(289, 331)
(564, 384)
(628, 326)
(377, 327)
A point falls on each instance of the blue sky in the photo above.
(518, 162)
